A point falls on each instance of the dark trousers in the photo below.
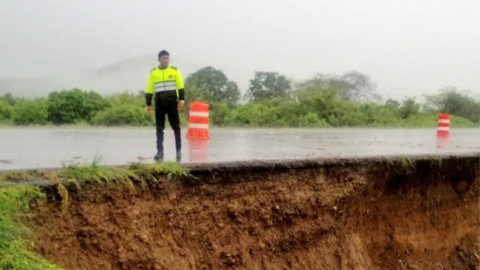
(171, 110)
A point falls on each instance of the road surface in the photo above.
(28, 148)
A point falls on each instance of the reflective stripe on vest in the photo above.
(164, 86)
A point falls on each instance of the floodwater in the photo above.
(28, 148)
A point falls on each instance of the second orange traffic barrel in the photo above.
(443, 127)
(198, 121)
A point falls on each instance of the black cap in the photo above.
(160, 54)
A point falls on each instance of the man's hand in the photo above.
(180, 105)
(149, 110)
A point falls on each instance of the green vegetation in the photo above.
(96, 174)
(401, 164)
(99, 174)
(348, 100)
(67, 107)
(137, 173)
(123, 115)
(213, 85)
(267, 85)
(14, 236)
(455, 102)
(30, 112)
(31, 176)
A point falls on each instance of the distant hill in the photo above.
(128, 75)
(32, 87)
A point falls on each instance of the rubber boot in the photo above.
(178, 145)
(159, 156)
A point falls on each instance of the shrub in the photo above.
(70, 106)
(5, 111)
(33, 112)
(122, 116)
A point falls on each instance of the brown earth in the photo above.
(356, 215)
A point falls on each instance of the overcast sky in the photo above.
(406, 47)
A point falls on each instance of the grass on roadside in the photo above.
(101, 174)
(135, 173)
(27, 176)
(401, 164)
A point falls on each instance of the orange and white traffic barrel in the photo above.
(443, 127)
(198, 121)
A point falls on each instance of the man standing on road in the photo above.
(165, 83)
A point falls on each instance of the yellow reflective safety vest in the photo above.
(164, 80)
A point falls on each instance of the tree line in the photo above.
(347, 100)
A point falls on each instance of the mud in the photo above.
(357, 214)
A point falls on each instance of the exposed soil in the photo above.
(363, 215)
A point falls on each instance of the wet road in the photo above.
(23, 148)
